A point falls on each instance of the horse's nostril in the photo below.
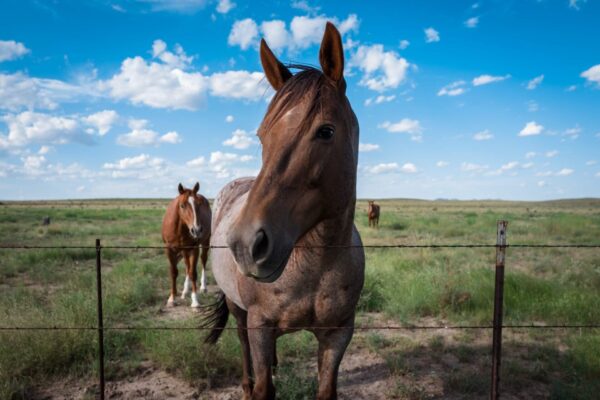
(260, 246)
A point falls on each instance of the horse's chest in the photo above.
(325, 301)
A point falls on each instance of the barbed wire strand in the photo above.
(368, 246)
(360, 327)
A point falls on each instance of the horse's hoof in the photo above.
(204, 290)
(171, 303)
(183, 295)
(195, 305)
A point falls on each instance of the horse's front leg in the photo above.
(332, 345)
(262, 349)
(203, 258)
(241, 317)
(191, 262)
(172, 257)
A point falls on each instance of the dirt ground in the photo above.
(430, 368)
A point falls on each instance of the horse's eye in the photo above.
(182, 205)
(325, 132)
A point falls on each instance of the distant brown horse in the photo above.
(294, 258)
(186, 225)
(373, 213)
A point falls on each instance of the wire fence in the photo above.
(497, 326)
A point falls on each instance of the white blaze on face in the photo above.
(193, 205)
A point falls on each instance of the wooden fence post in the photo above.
(100, 316)
(501, 243)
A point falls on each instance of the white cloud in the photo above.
(220, 163)
(179, 6)
(382, 168)
(244, 33)
(242, 85)
(571, 88)
(527, 165)
(196, 162)
(383, 70)
(442, 164)
(11, 50)
(142, 166)
(591, 162)
(532, 106)
(157, 85)
(572, 133)
(454, 89)
(31, 127)
(472, 167)
(483, 135)
(141, 135)
(487, 79)
(367, 147)
(431, 35)
(303, 32)
(19, 91)
(472, 22)
(592, 74)
(229, 118)
(102, 120)
(574, 4)
(565, 172)
(409, 168)
(379, 99)
(240, 139)
(44, 149)
(171, 137)
(541, 183)
(225, 6)
(535, 82)
(276, 34)
(530, 154)
(504, 168)
(176, 60)
(304, 6)
(531, 129)
(551, 154)
(406, 125)
(404, 44)
(164, 85)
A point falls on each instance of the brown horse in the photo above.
(373, 213)
(294, 258)
(186, 225)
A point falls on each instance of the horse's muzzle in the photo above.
(258, 255)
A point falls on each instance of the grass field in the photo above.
(53, 287)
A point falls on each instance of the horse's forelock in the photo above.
(305, 84)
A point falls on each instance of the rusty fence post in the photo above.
(100, 317)
(501, 243)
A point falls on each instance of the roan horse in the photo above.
(373, 213)
(294, 258)
(186, 225)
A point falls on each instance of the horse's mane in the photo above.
(306, 83)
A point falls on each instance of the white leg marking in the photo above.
(203, 282)
(171, 301)
(186, 287)
(195, 302)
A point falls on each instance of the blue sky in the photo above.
(467, 100)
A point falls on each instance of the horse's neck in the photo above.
(331, 232)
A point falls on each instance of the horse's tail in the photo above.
(215, 318)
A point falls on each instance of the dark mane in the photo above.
(306, 83)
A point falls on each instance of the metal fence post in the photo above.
(100, 317)
(501, 243)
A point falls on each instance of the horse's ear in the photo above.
(331, 55)
(196, 188)
(180, 188)
(275, 71)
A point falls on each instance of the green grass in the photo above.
(52, 287)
